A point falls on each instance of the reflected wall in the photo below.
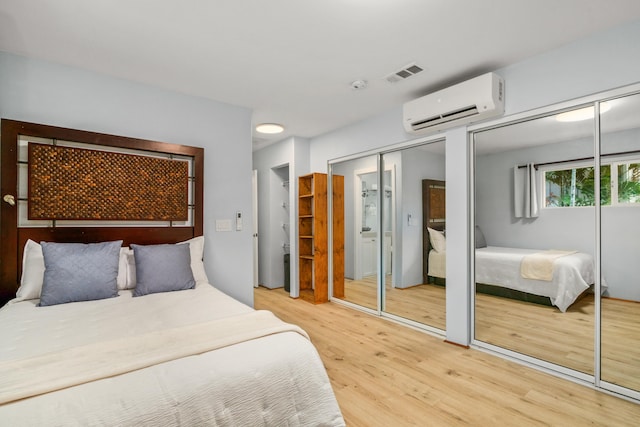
(384, 250)
(534, 209)
(557, 202)
(620, 241)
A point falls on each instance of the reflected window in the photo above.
(574, 186)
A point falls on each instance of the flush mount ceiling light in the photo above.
(270, 128)
(585, 113)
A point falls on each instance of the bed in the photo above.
(149, 341)
(499, 269)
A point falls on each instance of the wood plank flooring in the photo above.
(385, 374)
(566, 339)
(422, 303)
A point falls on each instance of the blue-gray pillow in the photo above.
(79, 271)
(162, 268)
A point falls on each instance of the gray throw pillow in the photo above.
(480, 240)
(79, 271)
(162, 268)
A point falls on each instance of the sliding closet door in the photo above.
(413, 289)
(620, 241)
(534, 194)
(361, 213)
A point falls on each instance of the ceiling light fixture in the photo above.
(585, 113)
(270, 128)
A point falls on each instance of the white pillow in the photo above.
(33, 271)
(438, 241)
(196, 250)
(122, 269)
(196, 247)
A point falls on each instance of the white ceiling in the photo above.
(292, 61)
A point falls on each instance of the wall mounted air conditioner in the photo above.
(467, 102)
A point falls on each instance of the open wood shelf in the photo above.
(312, 239)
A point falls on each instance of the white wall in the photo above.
(417, 165)
(603, 61)
(292, 154)
(47, 93)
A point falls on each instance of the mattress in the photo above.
(277, 379)
(572, 274)
(499, 266)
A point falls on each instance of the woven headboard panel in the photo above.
(71, 183)
(167, 201)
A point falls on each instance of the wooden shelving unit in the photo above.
(313, 235)
(337, 189)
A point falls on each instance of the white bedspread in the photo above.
(572, 275)
(274, 380)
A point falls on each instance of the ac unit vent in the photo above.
(444, 118)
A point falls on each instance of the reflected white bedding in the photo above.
(572, 274)
(276, 379)
(437, 264)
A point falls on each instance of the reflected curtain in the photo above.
(525, 192)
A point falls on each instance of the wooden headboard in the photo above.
(13, 238)
(433, 216)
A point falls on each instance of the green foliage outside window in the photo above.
(575, 187)
(629, 183)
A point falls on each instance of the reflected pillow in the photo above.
(480, 240)
(438, 241)
(79, 271)
(162, 268)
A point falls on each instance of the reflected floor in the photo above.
(422, 303)
(567, 338)
(540, 331)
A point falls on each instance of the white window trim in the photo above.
(612, 162)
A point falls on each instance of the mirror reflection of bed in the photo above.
(534, 193)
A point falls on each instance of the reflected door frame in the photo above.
(358, 249)
(357, 226)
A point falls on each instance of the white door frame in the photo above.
(254, 206)
(357, 223)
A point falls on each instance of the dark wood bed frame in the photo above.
(433, 216)
(13, 239)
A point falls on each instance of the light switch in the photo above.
(223, 225)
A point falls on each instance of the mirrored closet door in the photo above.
(360, 203)
(620, 241)
(413, 217)
(535, 214)
(394, 233)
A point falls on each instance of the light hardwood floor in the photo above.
(385, 374)
(566, 339)
(422, 303)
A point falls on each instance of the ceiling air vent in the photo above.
(404, 73)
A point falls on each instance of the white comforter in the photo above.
(572, 274)
(274, 380)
